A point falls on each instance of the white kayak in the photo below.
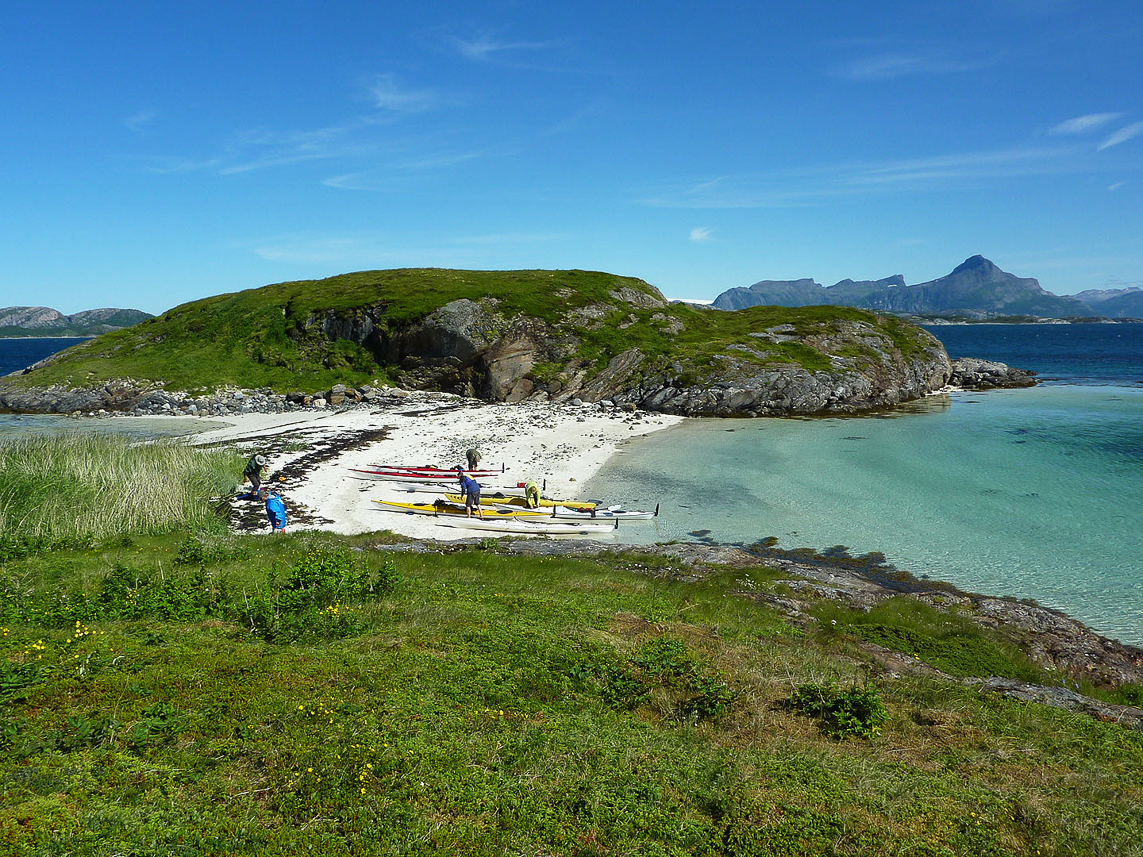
(611, 513)
(533, 527)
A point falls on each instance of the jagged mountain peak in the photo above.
(975, 287)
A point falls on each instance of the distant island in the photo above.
(975, 290)
(25, 321)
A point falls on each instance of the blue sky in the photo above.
(155, 153)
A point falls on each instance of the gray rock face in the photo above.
(741, 387)
(45, 321)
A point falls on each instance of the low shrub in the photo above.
(857, 711)
(308, 603)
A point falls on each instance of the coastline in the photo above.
(312, 453)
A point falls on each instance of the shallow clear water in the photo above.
(12, 425)
(1034, 493)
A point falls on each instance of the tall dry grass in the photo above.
(80, 485)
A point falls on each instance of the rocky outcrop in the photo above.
(740, 383)
(970, 373)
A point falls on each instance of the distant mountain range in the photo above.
(1115, 303)
(44, 321)
(975, 289)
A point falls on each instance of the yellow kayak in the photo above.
(442, 508)
(506, 500)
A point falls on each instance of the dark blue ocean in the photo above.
(1034, 493)
(1061, 353)
(18, 354)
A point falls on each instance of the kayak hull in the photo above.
(453, 509)
(531, 527)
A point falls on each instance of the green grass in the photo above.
(192, 691)
(96, 486)
(480, 704)
(272, 336)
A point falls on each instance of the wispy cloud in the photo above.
(262, 148)
(487, 46)
(1085, 124)
(398, 172)
(355, 139)
(818, 185)
(1115, 187)
(389, 94)
(893, 65)
(701, 233)
(1122, 135)
(140, 120)
(370, 249)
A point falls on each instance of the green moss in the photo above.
(950, 643)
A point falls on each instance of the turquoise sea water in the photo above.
(1034, 493)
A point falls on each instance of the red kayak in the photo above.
(422, 475)
(447, 471)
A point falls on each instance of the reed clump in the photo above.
(101, 485)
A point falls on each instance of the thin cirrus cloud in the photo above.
(1085, 124)
(256, 149)
(820, 185)
(389, 94)
(894, 65)
(1122, 135)
(486, 47)
(701, 233)
(140, 120)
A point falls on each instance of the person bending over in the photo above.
(275, 510)
(470, 491)
(531, 494)
(255, 471)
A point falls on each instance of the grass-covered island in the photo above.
(170, 688)
(500, 336)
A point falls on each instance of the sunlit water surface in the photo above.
(1035, 493)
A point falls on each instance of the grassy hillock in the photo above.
(272, 336)
(196, 692)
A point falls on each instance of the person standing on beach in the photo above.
(275, 510)
(473, 456)
(470, 491)
(255, 471)
(531, 494)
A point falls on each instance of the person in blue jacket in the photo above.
(275, 510)
(470, 491)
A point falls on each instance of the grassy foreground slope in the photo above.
(273, 336)
(169, 688)
(309, 694)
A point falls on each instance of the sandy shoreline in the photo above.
(312, 452)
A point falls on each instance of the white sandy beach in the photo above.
(559, 446)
